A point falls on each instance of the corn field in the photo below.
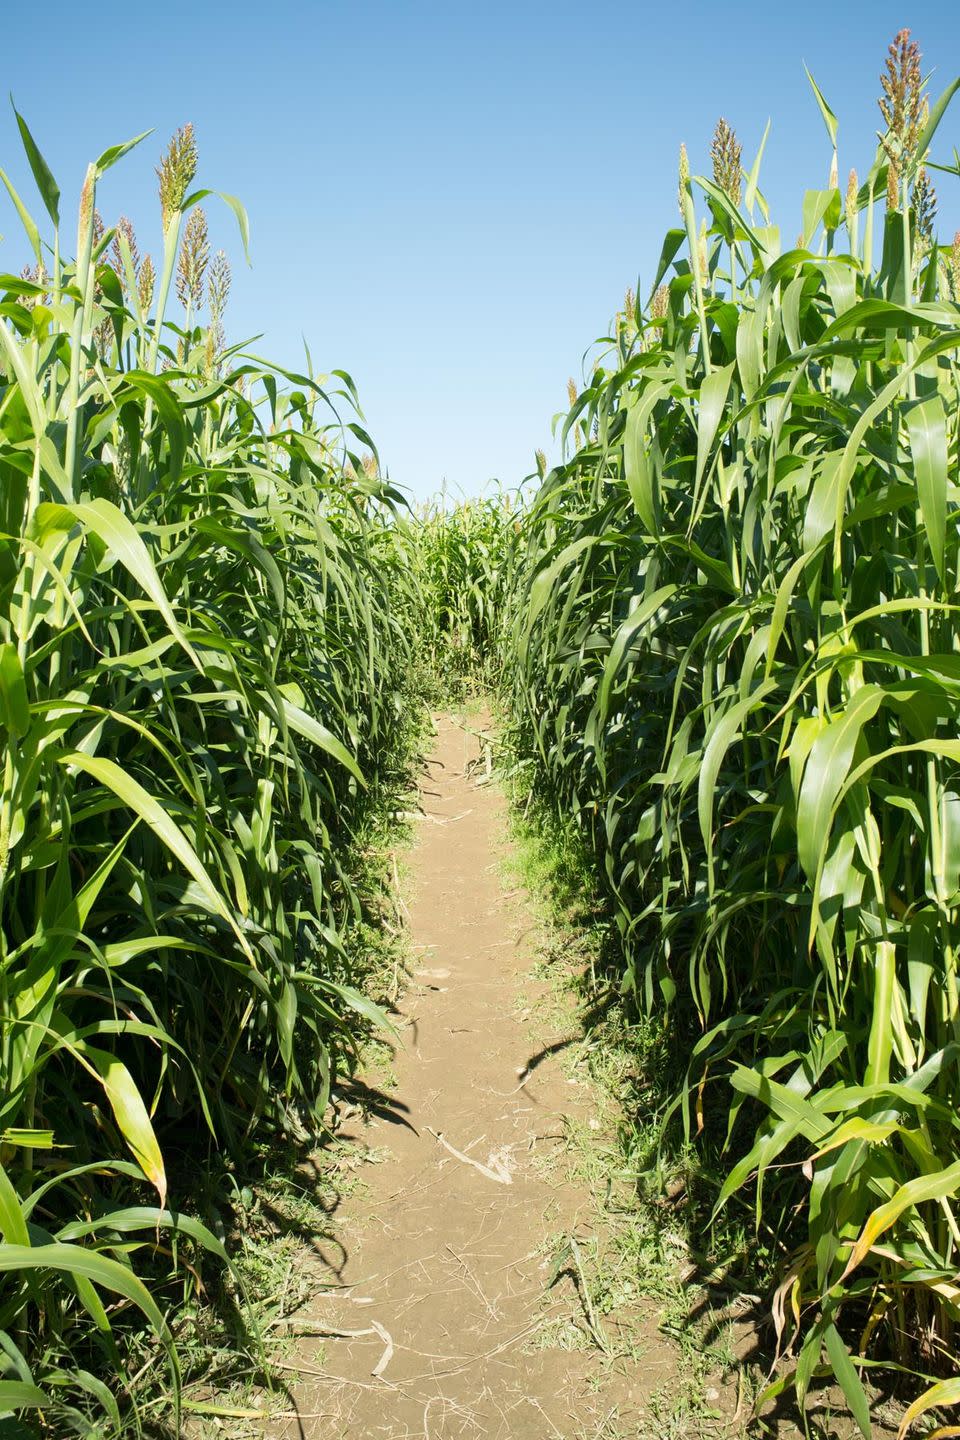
(463, 559)
(723, 633)
(730, 652)
(202, 671)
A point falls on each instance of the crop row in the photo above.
(202, 660)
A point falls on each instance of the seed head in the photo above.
(659, 303)
(102, 333)
(726, 151)
(684, 177)
(853, 189)
(145, 283)
(103, 338)
(541, 463)
(29, 272)
(176, 171)
(893, 185)
(572, 394)
(924, 207)
(124, 227)
(218, 286)
(216, 339)
(193, 258)
(86, 207)
(38, 276)
(901, 103)
(370, 467)
(96, 240)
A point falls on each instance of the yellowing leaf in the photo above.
(914, 1192)
(947, 1392)
(131, 1116)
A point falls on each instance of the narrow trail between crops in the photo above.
(449, 1248)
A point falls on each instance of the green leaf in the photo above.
(114, 153)
(132, 794)
(110, 525)
(170, 411)
(311, 729)
(641, 613)
(849, 1380)
(927, 428)
(48, 187)
(713, 398)
(829, 119)
(717, 742)
(753, 179)
(362, 1004)
(29, 389)
(147, 1217)
(235, 205)
(723, 202)
(73, 1261)
(937, 112)
(672, 242)
(880, 1043)
(26, 219)
(820, 206)
(544, 582)
(13, 1224)
(14, 709)
(21, 1395)
(639, 469)
(828, 765)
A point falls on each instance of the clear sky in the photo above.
(448, 199)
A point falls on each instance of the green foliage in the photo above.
(463, 569)
(202, 666)
(733, 657)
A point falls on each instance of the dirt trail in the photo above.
(449, 1250)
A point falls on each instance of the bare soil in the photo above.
(447, 1290)
(441, 1264)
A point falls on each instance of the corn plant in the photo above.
(463, 565)
(733, 658)
(201, 669)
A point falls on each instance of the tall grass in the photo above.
(462, 556)
(733, 657)
(201, 672)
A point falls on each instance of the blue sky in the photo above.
(448, 199)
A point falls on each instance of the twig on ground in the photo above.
(596, 1330)
(496, 1170)
(308, 1329)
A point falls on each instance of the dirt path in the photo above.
(448, 1252)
